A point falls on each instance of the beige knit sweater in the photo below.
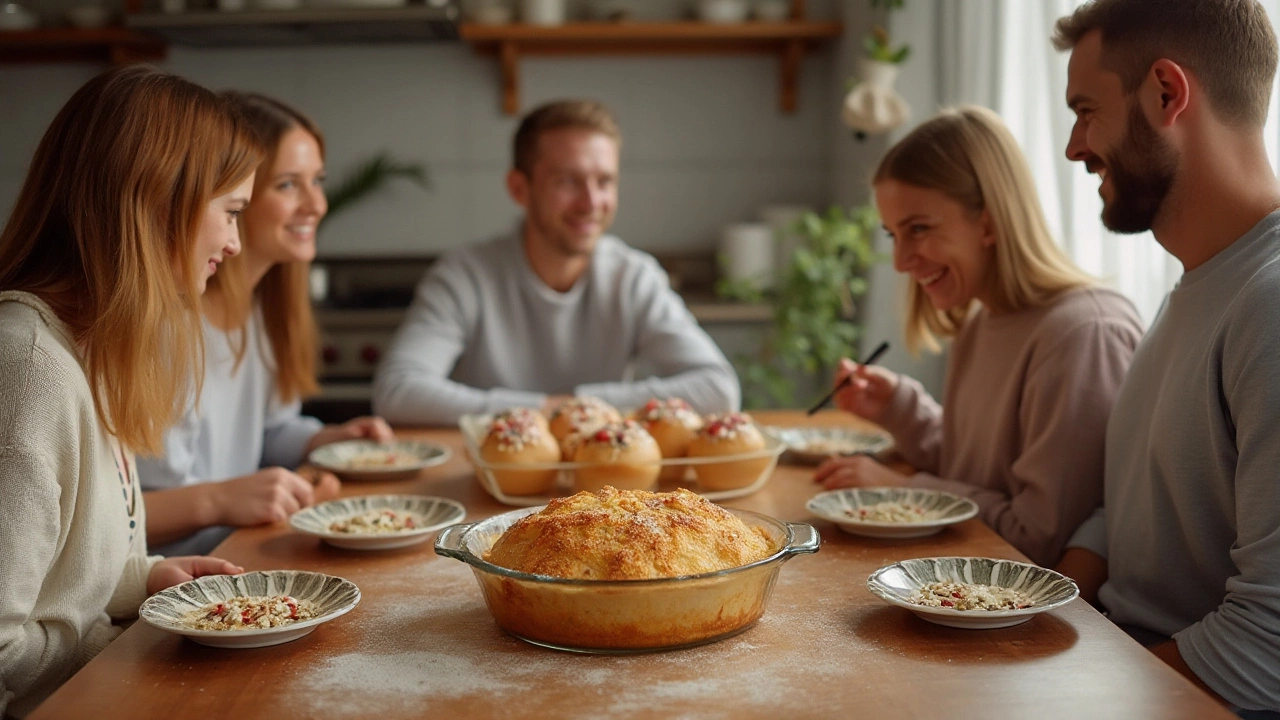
(72, 541)
(1027, 399)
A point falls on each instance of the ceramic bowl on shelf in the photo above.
(87, 16)
(722, 11)
(16, 17)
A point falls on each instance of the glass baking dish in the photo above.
(475, 427)
(624, 616)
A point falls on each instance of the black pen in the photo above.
(875, 355)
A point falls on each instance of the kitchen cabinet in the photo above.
(788, 39)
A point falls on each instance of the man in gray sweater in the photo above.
(556, 308)
(1170, 102)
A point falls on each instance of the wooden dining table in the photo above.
(421, 643)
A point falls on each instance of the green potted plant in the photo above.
(814, 305)
(370, 176)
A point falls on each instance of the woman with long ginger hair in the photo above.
(129, 206)
(227, 464)
(1039, 348)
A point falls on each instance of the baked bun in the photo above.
(513, 441)
(580, 415)
(620, 454)
(728, 434)
(524, 415)
(674, 425)
(629, 535)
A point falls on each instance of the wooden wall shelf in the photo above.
(115, 45)
(789, 40)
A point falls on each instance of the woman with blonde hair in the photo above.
(129, 206)
(229, 462)
(1038, 349)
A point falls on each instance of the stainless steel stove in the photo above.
(359, 305)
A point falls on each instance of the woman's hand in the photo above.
(267, 496)
(362, 428)
(870, 391)
(176, 570)
(324, 484)
(856, 471)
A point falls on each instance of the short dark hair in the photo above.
(560, 115)
(1228, 44)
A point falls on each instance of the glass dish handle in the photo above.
(449, 541)
(804, 539)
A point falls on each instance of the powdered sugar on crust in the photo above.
(586, 412)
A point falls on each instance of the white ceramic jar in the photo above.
(542, 12)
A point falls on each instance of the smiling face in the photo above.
(219, 234)
(947, 249)
(1113, 138)
(571, 194)
(280, 225)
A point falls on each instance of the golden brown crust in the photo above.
(728, 434)
(515, 441)
(629, 535)
(623, 455)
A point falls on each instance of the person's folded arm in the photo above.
(1235, 650)
(412, 385)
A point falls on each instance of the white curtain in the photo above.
(997, 53)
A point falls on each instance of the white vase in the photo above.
(747, 252)
(873, 106)
(542, 12)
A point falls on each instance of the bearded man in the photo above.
(1170, 100)
(555, 309)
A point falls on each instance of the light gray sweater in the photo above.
(484, 333)
(1027, 400)
(73, 548)
(239, 427)
(1191, 528)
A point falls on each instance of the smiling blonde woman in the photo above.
(1038, 350)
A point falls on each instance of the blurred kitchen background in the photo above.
(707, 141)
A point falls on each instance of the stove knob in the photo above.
(330, 355)
(370, 354)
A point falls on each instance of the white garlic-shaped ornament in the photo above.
(873, 106)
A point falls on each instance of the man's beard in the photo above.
(1142, 171)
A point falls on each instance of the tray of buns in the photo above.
(524, 458)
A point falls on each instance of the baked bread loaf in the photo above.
(513, 440)
(629, 535)
(620, 454)
(674, 425)
(728, 434)
(580, 415)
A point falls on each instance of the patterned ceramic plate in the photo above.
(369, 460)
(812, 445)
(1047, 589)
(332, 596)
(428, 513)
(860, 510)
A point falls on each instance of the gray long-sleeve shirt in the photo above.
(1191, 520)
(484, 333)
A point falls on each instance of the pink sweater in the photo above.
(1027, 399)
